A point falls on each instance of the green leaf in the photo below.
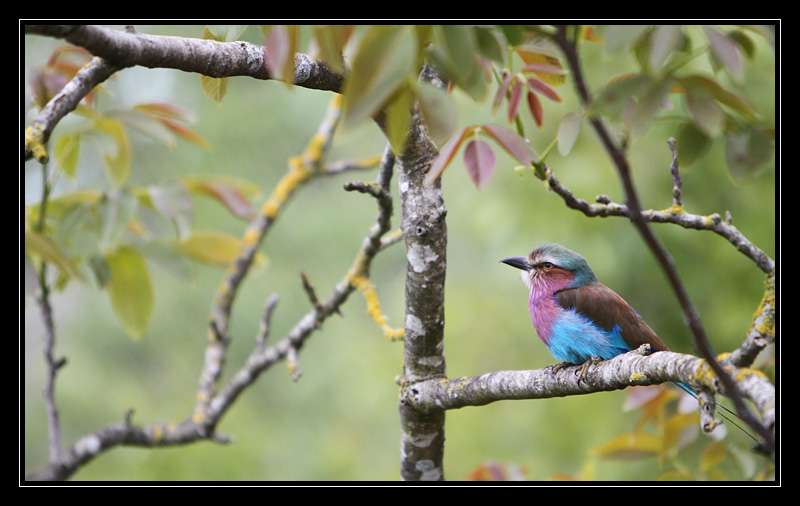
(641, 50)
(212, 247)
(44, 247)
(119, 165)
(707, 115)
(612, 99)
(100, 269)
(331, 40)
(747, 151)
(666, 39)
(459, 47)
(722, 95)
(66, 153)
(619, 37)
(515, 34)
(214, 87)
(649, 105)
(438, 112)
(173, 201)
(633, 445)
(692, 144)
(726, 51)
(744, 42)
(116, 211)
(490, 45)
(568, 131)
(398, 119)
(130, 290)
(168, 256)
(383, 61)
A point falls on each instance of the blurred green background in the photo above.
(340, 421)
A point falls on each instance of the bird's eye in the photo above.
(547, 265)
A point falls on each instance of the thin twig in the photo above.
(266, 320)
(49, 343)
(676, 176)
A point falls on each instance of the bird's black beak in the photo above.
(518, 262)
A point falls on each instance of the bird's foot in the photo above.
(584, 369)
(554, 368)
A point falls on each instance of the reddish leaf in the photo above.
(501, 91)
(479, 161)
(229, 197)
(515, 145)
(164, 110)
(513, 102)
(544, 68)
(184, 133)
(446, 155)
(83, 54)
(536, 108)
(537, 57)
(547, 91)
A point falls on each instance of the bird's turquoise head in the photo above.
(557, 265)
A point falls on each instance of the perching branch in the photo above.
(633, 368)
(65, 101)
(661, 254)
(425, 230)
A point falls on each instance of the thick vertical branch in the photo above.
(425, 230)
(662, 256)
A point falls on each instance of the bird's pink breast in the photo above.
(542, 304)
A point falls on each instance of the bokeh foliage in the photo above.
(340, 420)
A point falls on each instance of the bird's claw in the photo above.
(554, 368)
(584, 369)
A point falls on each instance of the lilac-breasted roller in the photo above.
(580, 319)
(576, 316)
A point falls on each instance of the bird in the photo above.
(579, 319)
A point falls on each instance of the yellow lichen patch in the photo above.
(315, 147)
(34, 144)
(158, 433)
(285, 187)
(764, 317)
(722, 357)
(746, 371)
(201, 396)
(367, 289)
(198, 417)
(636, 376)
(676, 209)
(251, 236)
(336, 102)
(704, 374)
